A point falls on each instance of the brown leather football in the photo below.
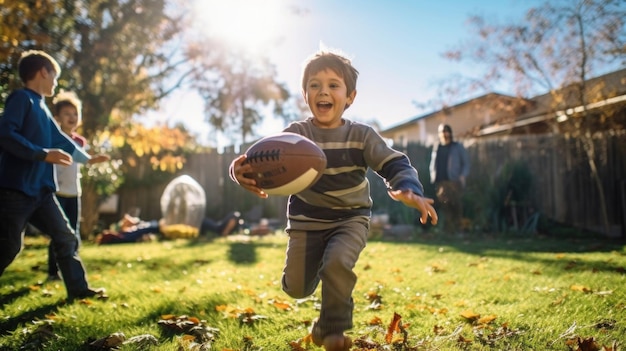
(285, 163)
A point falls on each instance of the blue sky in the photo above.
(395, 45)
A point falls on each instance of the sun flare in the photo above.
(243, 24)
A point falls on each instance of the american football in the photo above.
(285, 163)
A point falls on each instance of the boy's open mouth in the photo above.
(324, 106)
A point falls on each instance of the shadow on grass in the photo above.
(242, 252)
(10, 297)
(27, 316)
(522, 248)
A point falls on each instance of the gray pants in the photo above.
(328, 256)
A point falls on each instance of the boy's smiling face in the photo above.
(327, 97)
(68, 119)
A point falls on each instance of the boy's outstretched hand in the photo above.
(58, 157)
(422, 204)
(237, 170)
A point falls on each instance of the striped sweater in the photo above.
(343, 191)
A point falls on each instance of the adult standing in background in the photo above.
(449, 168)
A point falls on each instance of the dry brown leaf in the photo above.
(470, 315)
(376, 321)
(582, 288)
(580, 344)
(282, 305)
(296, 346)
(463, 340)
(393, 326)
(487, 319)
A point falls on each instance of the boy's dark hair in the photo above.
(327, 60)
(32, 61)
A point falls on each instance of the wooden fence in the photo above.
(562, 187)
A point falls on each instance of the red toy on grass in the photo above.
(285, 163)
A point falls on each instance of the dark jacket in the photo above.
(26, 129)
(458, 162)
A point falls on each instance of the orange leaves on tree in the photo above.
(161, 145)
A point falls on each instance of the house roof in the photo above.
(601, 91)
(450, 108)
(607, 89)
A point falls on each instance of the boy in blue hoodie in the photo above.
(30, 144)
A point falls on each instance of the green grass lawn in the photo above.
(446, 293)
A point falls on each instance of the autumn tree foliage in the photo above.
(118, 57)
(557, 47)
(122, 57)
(239, 90)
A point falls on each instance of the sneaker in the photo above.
(337, 342)
(330, 342)
(100, 293)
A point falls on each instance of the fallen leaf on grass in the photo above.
(580, 344)
(582, 288)
(435, 268)
(486, 319)
(393, 327)
(489, 336)
(281, 305)
(470, 315)
(438, 330)
(463, 340)
(295, 346)
(38, 336)
(606, 324)
(376, 301)
(192, 326)
(375, 321)
(109, 342)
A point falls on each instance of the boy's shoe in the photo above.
(331, 342)
(99, 292)
(337, 342)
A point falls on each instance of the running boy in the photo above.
(67, 113)
(30, 143)
(328, 223)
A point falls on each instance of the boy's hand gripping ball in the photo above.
(285, 163)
